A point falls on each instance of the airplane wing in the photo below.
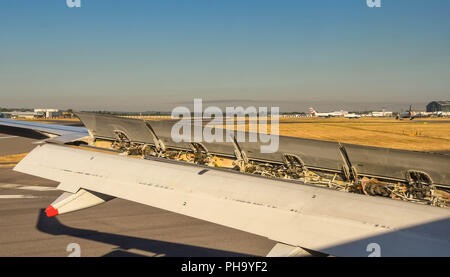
(293, 213)
(57, 133)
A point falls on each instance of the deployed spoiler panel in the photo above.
(365, 160)
(102, 126)
(396, 163)
(320, 154)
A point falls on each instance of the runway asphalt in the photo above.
(116, 228)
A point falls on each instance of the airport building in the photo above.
(438, 106)
(381, 114)
(20, 114)
(49, 113)
(37, 113)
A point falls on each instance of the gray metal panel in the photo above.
(103, 126)
(395, 163)
(372, 161)
(314, 153)
(163, 130)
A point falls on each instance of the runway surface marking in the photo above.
(33, 188)
(17, 196)
(8, 137)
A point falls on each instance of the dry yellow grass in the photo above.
(419, 135)
(430, 137)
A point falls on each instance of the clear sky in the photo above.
(157, 54)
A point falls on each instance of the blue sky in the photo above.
(156, 54)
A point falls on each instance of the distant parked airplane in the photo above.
(340, 113)
(408, 114)
(316, 114)
(352, 115)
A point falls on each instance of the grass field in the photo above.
(419, 135)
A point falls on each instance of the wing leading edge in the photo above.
(58, 133)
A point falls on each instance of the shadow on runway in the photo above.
(52, 226)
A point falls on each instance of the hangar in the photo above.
(438, 106)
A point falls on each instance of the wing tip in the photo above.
(51, 211)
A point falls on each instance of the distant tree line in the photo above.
(129, 113)
(15, 109)
(291, 113)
